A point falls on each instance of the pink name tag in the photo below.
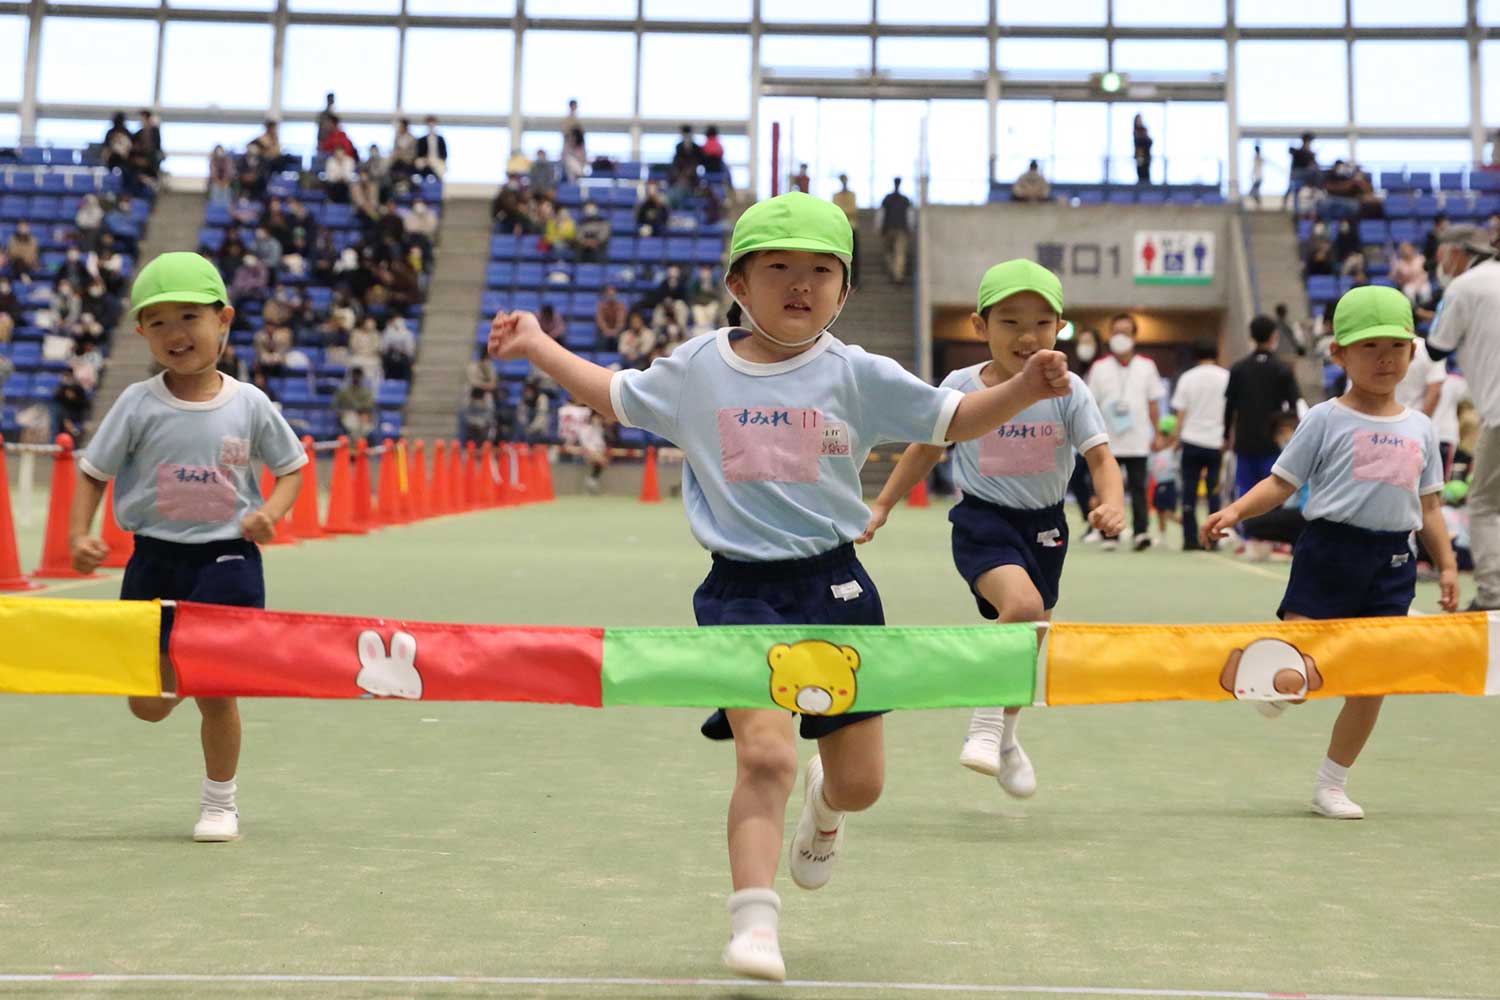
(1021, 450)
(197, 493)
(1380, 457)
(776, 444)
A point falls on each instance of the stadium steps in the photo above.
(1278, 278)
(448, 325)
(174, 226)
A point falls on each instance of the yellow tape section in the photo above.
(1096, 664)
(79, 647)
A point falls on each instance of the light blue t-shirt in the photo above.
(1165, 466)
(773, 451)
(1027, 462)
(1371, 472)
(184, 472)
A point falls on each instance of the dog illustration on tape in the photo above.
(1271, 673)
(389, 674)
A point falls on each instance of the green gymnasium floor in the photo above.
(555, 852)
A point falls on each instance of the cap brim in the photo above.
(1000, 295)
(201, 298)
(1374, 332)
(793, 243)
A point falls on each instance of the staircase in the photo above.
(1277, 265)
(452, 311)
(880, 317)
(173, 226)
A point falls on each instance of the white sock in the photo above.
(986, 720)
(750, 909)
(826, 817)
(1008, 737)
(1332, 775)
(219, 793)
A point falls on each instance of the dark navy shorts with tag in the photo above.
(227, 572)
(986, 535)
(1341, 571)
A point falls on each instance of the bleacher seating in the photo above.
(1122, 194)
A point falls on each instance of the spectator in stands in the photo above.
(593, 235)
(390, 225)
(635, 341)
(64, 307)
(267, 145)
(117, 143)
(403, 152)
(250, 176)
(145, 149)
(476, 421)
(1430, 243)
(400, 283)
(229, 363)
(270, 345)
(552, 322)
(712, 152)
(560, 230)
(7, 369)
(245, 211)
(432, 151)
(542, 177)
(220, 176)
(591, 441)
(1031, 186)
(575, 157)
(72, 403)
(73, 269)
(421, 224)
(268, 248)
(398, 349)
(364, 350)
(686, 156)
(328, 119)
(1257, 175)
(252, 279)
(1319, 261)
(895, 230)
(337, 139)
(1346, 243)
(848, 204)
(10, 310)
(703, 301)
(24, 251)
(338, 174)
(1142, 139)
(480, 373)
(364, 197)
(517, 166)
(377, 169)
(1287, 340)
(1348, 189)
(1409, 273)
(534, 413)
(88, 222)
(609, 318)
(570, 120)
(355, 404)
(800, 181)
(1304, 172)
(653, 211)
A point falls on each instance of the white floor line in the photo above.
(73, 979)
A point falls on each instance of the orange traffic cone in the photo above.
(442, 503)
(389, 498)
(542, 459)
(405, 497)
(10, 560)
(416, 473)
(57, 554)
(455, 472)
(523, 468)
(472, 499)
(363, 517)
(488, 488)
(650, 490)
(121, 543)
(282, 532)
(341, 495)
(918, 495)
(305, 510)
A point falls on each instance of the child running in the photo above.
(1374, 475)
(775, 420)
(1010, 534)
(1165, 466)
(181, 449)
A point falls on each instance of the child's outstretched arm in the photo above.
(259, 526)
(88, 552)
(1044, 377)
(1109, 516)
(915, 465)
(519, 335)
(1266, 495)
(1434, 533)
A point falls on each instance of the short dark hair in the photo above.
(1307, 137)
(1134, 327)
(1281, 309)
(1206, 351)
(1262, 329)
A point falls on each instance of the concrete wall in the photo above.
(965, 240)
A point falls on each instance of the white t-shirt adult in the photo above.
(1468, 321)
(1125, 394)
(1199, 398)
(1411, 391)
(1445, 418)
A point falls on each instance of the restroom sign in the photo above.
(1174, 257)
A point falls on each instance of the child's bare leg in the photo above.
(1352, 729)
(854, 765)
(765, 772)
(220, 732)
(157, 709)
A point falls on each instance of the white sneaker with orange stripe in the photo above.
(814, 849)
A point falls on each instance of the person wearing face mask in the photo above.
(1468, 322)
(1128, 388)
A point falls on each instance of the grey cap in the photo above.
(1472, 239)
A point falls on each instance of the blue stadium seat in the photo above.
(622, 222)
(319, 297)
(336, 216)
(1425, 206)
(500, 274)
(588, 275)
(1151, 196)
(579, 336)
(569, 195)
(1486, 205)
(216, 215)
(492, 302)
(1399, 206)
(679, 249)
(530, 274)
(708, 250)
(31, 155)
(622, 248)
(482, 330)
(650, 248)
(47, 208)
(529, 301)
(392, 392)
(1451, 180)
(1373, 231)
(1304, 230)
(1393, 180)
(1090, 196)
(1405, 231)
(518, 368)
(1322, 286)
(54, 182)
(23, 181)
(1421, 181)
(1484, 180)
(14, 207)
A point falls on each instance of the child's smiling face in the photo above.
(1017, 327)
(792, 294)
(184, 337)
(1376, 365)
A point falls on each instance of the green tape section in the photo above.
(821, 669)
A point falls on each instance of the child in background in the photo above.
(1010, 534)
(1165, 468)
(775, 420)
(1374, 473)
(181, 449)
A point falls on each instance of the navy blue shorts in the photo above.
(1340, 571)
(790, 592)
(1164, 497)
(986, 535)
(227, 572)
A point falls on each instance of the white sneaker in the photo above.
(1093, 536)
(756, 953)
(981, 753)
(1017, 776)
(1109, 544)
(1333, 802)
(1271, 709)
(216, 825)
(813, 851)
(1142, 542)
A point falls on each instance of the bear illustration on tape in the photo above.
(813, 677)
(390, 674)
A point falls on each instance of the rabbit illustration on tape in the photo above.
(389, 675)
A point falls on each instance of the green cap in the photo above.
(1012, 276)
(177, 277)
(1372, 311)
(1454, 492)
(793, 221)
(1167, 424)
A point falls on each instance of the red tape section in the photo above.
(223, 652)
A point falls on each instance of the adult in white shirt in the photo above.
(1468, 321)
(1455, 390)
(1129, 391)
(1198, 402)
(1423, 382)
